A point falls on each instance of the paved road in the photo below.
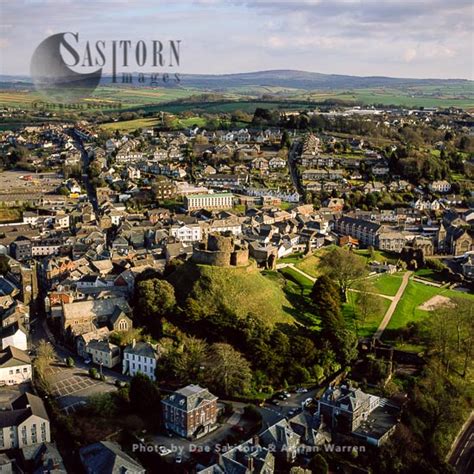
(292, 157)
(392, 307)
(92, 195)
(462, 457)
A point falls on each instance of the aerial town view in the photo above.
(237, 237)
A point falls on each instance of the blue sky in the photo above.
(400, 38)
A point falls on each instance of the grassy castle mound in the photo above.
(242, 290)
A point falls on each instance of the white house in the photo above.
(15, 366)
(440, 186)
(14, 335)
(186, 233)
(140, 357)
(27, 423)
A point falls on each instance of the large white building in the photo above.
(140, 357)
(195, 202)
(25, 424)
(186, 233)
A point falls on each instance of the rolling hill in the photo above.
(242, 290)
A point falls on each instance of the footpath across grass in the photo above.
(414, 296)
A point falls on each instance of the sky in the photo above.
(398, 38)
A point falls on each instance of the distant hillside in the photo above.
(242, 290)
(306, 80)
(277, 78)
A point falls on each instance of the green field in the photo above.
(181, 99)
(371, 323)
(415, 295)
(387, 284)
(297, 277)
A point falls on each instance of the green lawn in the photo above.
(370, 325)
(429, 274)
(387, 284)
(377, 255)
(297, 277)
(415, 295)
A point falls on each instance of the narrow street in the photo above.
(292, 157)
(462, 457)
(91, 194)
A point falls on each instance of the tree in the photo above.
(4, 265)
(155, 297)
(343, 266)
(45, 357)
(145, 397)
(228, 372)
(319, 465)
(188, 364)
(327, 304)
(367, 304)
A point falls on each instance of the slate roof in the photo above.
(12, 356)
(189, 397)
(144, 349)
(107, 457)
(23, 407)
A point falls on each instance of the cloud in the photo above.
(366, 37)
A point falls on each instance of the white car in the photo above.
(301, 390)
(163, 451)
(307, 402)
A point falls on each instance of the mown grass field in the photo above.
(415, 295)
(387, 284)
(367, 327)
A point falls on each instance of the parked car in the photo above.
(275, 401)
(307, 402)
(163, 451)
(301, 390)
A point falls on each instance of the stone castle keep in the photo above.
(221, 250)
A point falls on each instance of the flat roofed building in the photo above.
(195, 202)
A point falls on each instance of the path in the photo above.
(292, 266)
(391, 298)
(392, 307)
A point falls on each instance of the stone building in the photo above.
(221, 250)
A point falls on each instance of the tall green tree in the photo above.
(344, 267)
(145, 397)
(228, 372)
(155, 297)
